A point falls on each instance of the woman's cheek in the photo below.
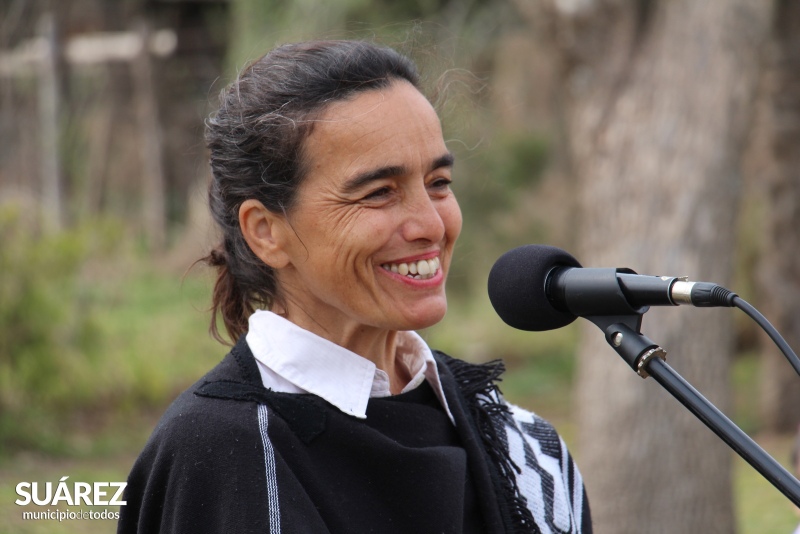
(453, 219)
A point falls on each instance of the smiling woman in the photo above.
(375, 192)
(330, 414)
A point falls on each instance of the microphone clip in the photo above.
(623, 334)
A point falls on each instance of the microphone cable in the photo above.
(771, 331)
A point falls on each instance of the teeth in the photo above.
(419, 270)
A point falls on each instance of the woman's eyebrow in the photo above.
(360, 180)
(445, 160)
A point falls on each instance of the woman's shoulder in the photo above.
(224, 404)
(195, 423)
(230, 405)
(205, 445)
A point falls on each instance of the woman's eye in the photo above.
(378, 193)
(441, 183)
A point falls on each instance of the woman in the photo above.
(332, 190)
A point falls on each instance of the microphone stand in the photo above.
(648, 359)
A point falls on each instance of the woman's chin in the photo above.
(424, 318)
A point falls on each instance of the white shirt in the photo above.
(294, 360)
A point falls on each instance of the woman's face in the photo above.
(374, 208)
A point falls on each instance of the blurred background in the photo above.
(658, 135)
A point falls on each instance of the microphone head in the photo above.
(517, 287)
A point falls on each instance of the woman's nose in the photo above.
(423, 220)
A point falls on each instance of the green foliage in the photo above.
(47, 331)
(154, 328)
(90, 339)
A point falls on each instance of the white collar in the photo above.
(294, 360)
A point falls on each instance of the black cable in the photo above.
(770, 330)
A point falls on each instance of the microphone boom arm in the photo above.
(647, 358)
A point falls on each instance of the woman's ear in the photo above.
(265, 233)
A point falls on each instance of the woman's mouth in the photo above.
(418, 270)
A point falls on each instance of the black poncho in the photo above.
(230, 456)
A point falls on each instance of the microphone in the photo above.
(539, 287)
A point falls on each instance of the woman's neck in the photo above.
(375, 344)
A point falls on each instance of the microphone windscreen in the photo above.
(517, 287)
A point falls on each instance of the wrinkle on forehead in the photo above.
(344, 126)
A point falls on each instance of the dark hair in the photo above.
(256, 142)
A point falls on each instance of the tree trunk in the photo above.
(50, 126)
(661, 102)
(154, 203)
(779, 268)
